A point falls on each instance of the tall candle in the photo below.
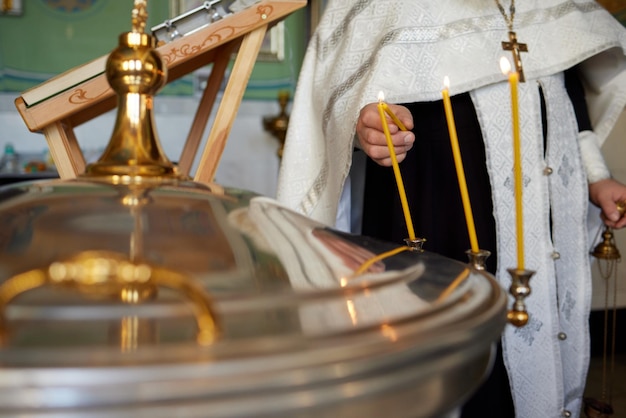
(458, 162)
(396, 168)
(393, 117)
(505, 66)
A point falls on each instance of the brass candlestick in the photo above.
(415, 244)
(478, 259)
(277, 125)
(520, 289)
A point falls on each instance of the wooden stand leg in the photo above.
(65, 151)
(237, 83)
(205, 107)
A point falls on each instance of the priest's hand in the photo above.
(369, 130)
(606, 194)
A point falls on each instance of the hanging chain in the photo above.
(510, 17)
(609, 274)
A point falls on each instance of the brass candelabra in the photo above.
(277, 125)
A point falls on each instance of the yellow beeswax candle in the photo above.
(393, 117)
(396, 168)
(458, 162)
(517, 160)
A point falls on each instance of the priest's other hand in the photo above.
(369, 130)
(606, 194)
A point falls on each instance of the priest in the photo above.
(571, 56)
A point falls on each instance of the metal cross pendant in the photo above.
(515, 49)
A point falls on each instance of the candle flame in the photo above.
(446, 82)
(381, 96)
(505, 65)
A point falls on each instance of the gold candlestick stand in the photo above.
(478, 259)
(520, 289)
(277, 125)
(415, 244)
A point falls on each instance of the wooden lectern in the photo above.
(57, 106)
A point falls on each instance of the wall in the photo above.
(249, 160)
(54, 38)
(49, 38)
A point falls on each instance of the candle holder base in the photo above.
(519, 289)
(415, 244)
(478, 259)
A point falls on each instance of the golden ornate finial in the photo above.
(135, 71)
(140, 15)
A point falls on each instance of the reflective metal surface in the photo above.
(297, 332)
(132, 291)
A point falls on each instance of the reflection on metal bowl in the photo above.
(133, 291)
(298, 333)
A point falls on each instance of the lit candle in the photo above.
(458, 162)
(393, 117)
(396, 168)
(505, 66)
